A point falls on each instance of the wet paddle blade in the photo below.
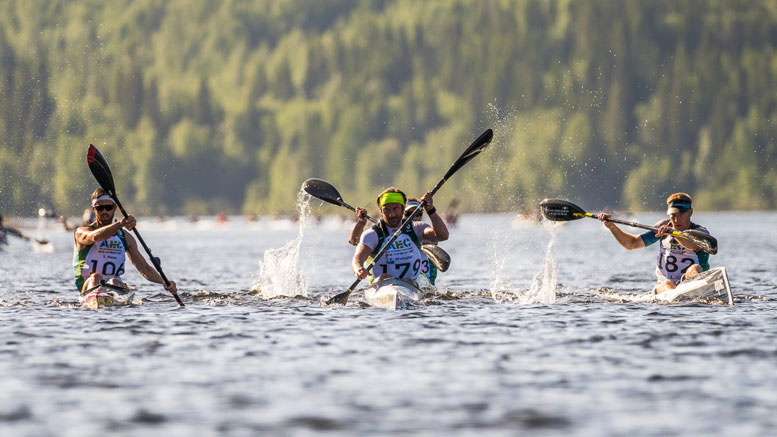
(323, 190)
(473, 150)
(340, 299)
(706, 243)
(438, 256)
(558, 210)
(100, 169)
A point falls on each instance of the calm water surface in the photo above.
(511, 343)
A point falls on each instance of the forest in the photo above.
(228, 105)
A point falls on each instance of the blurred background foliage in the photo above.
(228, 105)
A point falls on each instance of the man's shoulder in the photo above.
(421, 225)
(370, 231)
(369, 238)
(86, 228)
(700, 228)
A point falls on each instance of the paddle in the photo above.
(102, 172)
(473, 150)
(42, 242)
(562, 211)
(18, 233)
(323, 190)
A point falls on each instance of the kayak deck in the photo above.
(392, 294)
(712, 286)
(105, 295)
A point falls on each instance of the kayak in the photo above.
(392, 294)
(712, 286)
(105, 295)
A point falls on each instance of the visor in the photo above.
(103, 197)
(411, 205)
(678, 207)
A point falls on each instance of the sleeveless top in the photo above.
(105, 257)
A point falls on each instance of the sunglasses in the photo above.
(101, 208)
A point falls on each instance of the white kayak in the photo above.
(105, 295)
(391, 294)
(711, 286)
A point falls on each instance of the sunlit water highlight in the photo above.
(601, 360)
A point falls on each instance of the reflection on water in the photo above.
(603, 359)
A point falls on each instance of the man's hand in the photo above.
(604, 218)
(361, 273)
(172, 287)
(361, 214)
(128, 222)
(428, 201)
(665, 229)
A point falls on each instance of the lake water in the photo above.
(518, 339)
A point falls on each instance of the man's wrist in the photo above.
(432, 210)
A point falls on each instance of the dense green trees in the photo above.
(230, 105)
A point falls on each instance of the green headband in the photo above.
(391, 198)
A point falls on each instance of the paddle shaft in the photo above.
(622, 222)
(673, 232)
(367, 216)
(154, 260)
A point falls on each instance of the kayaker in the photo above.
(404, 258)
(428, 267)
(5, 231)
(101, 247)
(678, 258)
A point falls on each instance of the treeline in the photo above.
(230, 104)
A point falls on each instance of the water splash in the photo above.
(279, 272)
(543, 286)
(501, 287)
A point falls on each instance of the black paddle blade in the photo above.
(339, 299)
(100, 169)
(437, 256)
(476, 147)
(706, 242)
(323, 190)
(558, 210)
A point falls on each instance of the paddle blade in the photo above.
(438, 256)
(705, 242)
(472, 151)
(340, 299)
(323, 190)
(558, 210)
(100, 169)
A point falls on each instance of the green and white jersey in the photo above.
(404, 258)
(105, 257)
